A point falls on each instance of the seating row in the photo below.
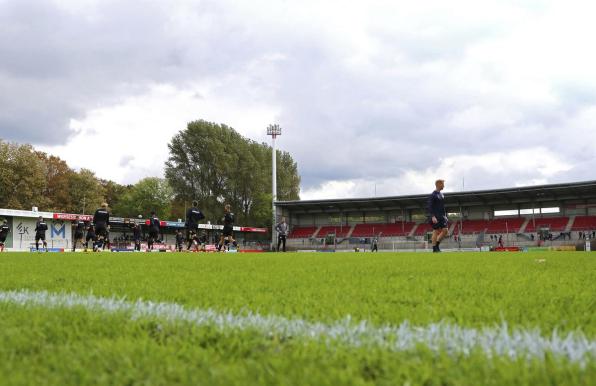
(500, 225)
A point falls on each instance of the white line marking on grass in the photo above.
(498, 341)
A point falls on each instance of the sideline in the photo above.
(439, 337)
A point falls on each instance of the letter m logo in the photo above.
(58, 229)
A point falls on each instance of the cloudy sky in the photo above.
(375, 97)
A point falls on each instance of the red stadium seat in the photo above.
(385, 230)
(340, 231)
(301, 232)
(556, 224)
(423, 229)
(505, 225)
(584, 223)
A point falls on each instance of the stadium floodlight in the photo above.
(273, 131)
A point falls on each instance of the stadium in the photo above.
(561, 216)
(557, 216)
(221, 192)
(514, 289)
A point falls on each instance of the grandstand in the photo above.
(553, 214)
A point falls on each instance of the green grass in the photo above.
(477, 290)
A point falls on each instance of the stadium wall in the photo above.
(60, 236)
(22, 230)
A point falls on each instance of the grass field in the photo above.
(298, 319)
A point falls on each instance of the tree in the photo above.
(114, 193)
(147, 195)
(216, 165)
(22, 177)
(58, 176)
(85, 191)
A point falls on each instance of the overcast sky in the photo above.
(374, 97)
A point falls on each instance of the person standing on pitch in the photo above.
(179, 240)
(228, 229)
(153, 231)
(79, 226)
(40, 233)
(136, 236)
(375, 245)
(4, 230)
(101, 219)
(282, 232)
(438, 215)
(90, 236)
(193, 216)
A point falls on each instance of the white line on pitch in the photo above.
(497, 341)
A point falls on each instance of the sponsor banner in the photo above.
(32, 249)
(538, 249)
(255, 230)
(236, 228)
(563, 248)
(507, 249)
(72, 217)
(172, 224)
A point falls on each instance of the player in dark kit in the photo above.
(228, 229)
(79, 232)
(4, 230)
(438, 215)
(136, 236)
(101, 219)
(193, 216)
(40, 233)
(179, 240)
(90, 237)
(153, 231)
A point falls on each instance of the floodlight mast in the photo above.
(273, 131)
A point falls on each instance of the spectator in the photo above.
(375, 246)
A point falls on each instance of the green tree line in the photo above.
(214, 164)
(208, 162)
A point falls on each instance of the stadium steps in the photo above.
(524, 236)
(570, 224)
(350, 231)
(316, 232)
(522, 229)
(452, 227)
(413, 231)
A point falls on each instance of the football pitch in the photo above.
(298, 318)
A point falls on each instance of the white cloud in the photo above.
(385, 92)
(138, 130)
(530, 166)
